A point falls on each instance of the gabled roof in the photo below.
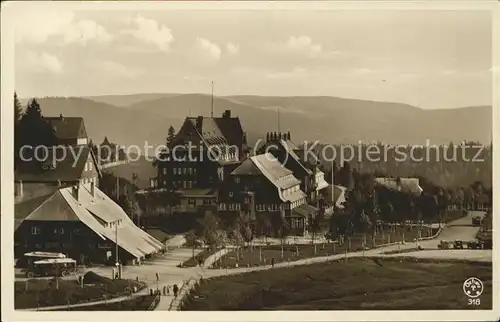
(207, 130)
(408, 185)
(247, 168)
(92, 211)
(268, 166)
(67, 127)
(69, 168)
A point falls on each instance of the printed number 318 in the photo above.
(474, 302)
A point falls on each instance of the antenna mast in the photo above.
(278, 119)
(212, 111)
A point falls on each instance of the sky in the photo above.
(430, 59)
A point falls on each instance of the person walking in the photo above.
(164, 290)
(272, 262)
(176, 290)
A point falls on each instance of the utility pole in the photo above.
(333, 186)
(116, 248)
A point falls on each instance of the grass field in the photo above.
(43, 292)
(358, 284)
(249, 256)
(137, 303)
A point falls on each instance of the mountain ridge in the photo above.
(333, 120)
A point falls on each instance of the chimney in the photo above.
(226, 114)
(289, 137)
(275, 136)
(199, 122)
(92, 189)
(268, 136)
(76, 191)
(279, 135)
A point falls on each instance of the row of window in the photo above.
(88, 166)
(206, 202)
(270, 207)
(89, 180)
(297, 223)
(229, 207)
(298, 203)
(291, 190)
(181, 171)
(37, 230)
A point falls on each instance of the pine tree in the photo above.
(18, 110)
(170, 135)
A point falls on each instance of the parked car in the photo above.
(458, 244)
(477, 221)
(475, 244)
(444, 245)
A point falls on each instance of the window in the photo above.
(185, 184)
(164, 171)
(86, 166)
(61, 231)
(247, 200)
(230, 194)
(52, 245)
(77, 231)
(237, 179)
(190, 184)
(185, 170)
(175, 170)
(35, 230)
(191, 201)
(194, 170)
(90, 165)
(164, 182)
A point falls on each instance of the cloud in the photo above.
(150, 31)
(232, 49)
(209, 49)
(41, 62)
(305, 45)
(119, 70)
(36, 26)
(85, 30)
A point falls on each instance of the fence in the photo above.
(184, 291)
(155, 302)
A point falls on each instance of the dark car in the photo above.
(458, 244)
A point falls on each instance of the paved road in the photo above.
(458, 229)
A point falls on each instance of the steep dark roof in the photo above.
(211, 135)
(25, 208)
(70, 167)
(67, 127)
(231, 129)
